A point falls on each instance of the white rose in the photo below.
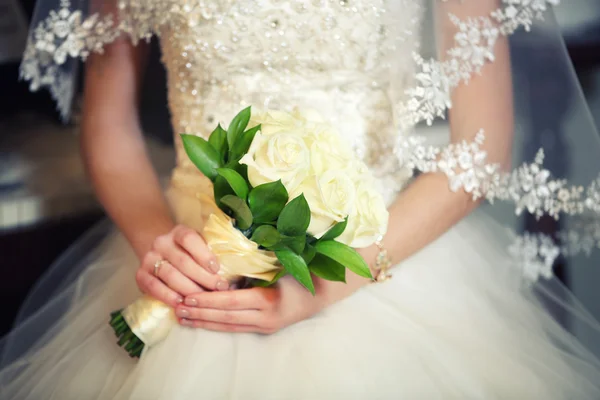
(330, 197)
(369, 219)
(273, 121)
(327, 150)
(307, 115)
(279, 156)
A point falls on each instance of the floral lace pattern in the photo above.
(61, 35)
(530, 187)
(535, 254)
(473, 47)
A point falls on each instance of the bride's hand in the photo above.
(260, 310)
(185, 266)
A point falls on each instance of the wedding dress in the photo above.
(456, 321)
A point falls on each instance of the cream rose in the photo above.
(307, 115)
(238, 255)
(327, 150)
(279, 156)
(330, 197)
(368, 220)
(273, 122)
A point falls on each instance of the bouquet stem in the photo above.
(127, 339)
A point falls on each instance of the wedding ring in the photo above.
(157, 266)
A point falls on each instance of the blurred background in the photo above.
(46, 202)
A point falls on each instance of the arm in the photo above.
(126, 184)
(114, 148)
(427, 203)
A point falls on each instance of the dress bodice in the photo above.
(348, 59)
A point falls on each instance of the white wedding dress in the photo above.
(454, 322)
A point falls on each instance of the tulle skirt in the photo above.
(455, 322)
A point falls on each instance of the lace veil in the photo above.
(492, 78)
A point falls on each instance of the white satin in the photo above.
(453, 323)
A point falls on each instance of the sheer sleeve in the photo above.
(519, 131)
(65, 32)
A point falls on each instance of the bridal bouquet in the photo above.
(291, 198)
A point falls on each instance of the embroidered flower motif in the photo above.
(473, 46)
(530, 187)
(535, 254)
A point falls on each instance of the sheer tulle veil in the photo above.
(547, 201)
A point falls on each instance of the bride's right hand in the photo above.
(187, 266)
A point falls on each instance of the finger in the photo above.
(196, 247)
(243, 299)
(235, 317)
(176, 280)
(188, 267)
(154, 287)
(219, 327)
(171, 276)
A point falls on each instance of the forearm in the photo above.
(114, 148)
(126, 184)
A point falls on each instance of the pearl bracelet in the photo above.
(383, 263)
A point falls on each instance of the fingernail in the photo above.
(179, 300)
(222, 285)
(191, 302)
(183, 313)
(213, 266)
(186, 322)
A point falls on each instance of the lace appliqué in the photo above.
(61, 35)
(530, 187)
(473, 46)
(475, 42)
(65, 36)
(536, 253)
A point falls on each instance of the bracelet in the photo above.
(383, 263)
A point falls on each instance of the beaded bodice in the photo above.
(343, 58)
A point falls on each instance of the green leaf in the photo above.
(237, 126)
(242, 143)
(266, 201)
(277, 277)
(294, 218)
(309, 253)
(326, 268)
(344, 255)
(242, 169)
(266, 236)
(241, 212)
(220, 189)
(236, 181)
(295, 266)
(335, 230)
(202, 154)
(218, 140)
(296, 243)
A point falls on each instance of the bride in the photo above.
(455, 319)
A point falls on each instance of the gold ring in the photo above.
(157, 266)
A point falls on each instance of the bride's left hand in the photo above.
(260, 310)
